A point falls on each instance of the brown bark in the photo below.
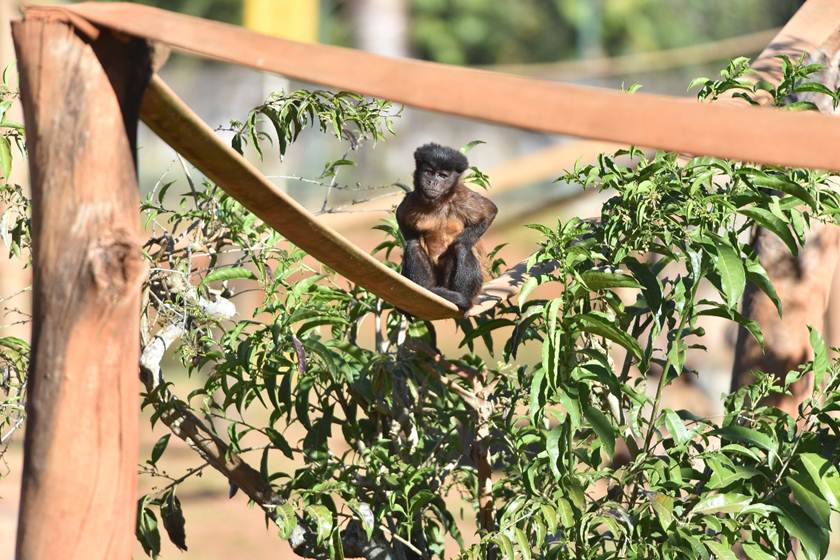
(81, 102)
(803, 283)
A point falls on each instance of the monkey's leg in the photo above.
(418, 268)
(460, 276)
(416, 265)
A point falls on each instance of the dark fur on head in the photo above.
(441, 157)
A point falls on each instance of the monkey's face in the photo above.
(432, 182)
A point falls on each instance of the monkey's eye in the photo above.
(443, 174)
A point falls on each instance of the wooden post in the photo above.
(81, 97)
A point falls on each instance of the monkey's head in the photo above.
(438, 169)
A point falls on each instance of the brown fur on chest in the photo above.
(440, 225)
(437, 233)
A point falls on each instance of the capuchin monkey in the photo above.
(441, 221)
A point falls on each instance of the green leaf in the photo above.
(778, 183)
(279, 442)
(602, 426)
(770, 221)
(505, 546)
(530, 284)
(323, 521)
(571, 404)
(801, 106)
(597, 280)
(567, 515)
(747, 435)
(284, 517)
(758, 276)
(173, 521)
(663, 506)
(722, 503)
(552, 447)
(366, 517)
(813, 87)
(825, 476)
(540, 532)
(420, 500)
(222, 274)
(755, 552)
(522, 542)
(652, 289)
(812, 539)
(732, 275)
(551, 311)
(598, 325)
(5, 157)
(470, 145)
(158, 449)
(536, 395)
(336, 546)
(698, 82)
(331, 168)
(720, 550)
(549, 515)
(809, 499)
(820, 357)
(725, 473)
(147, 528)
(676, 428)
(719, 310)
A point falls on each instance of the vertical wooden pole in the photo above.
(81, 97)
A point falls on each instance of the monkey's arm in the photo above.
(416, 265)
(482, 212)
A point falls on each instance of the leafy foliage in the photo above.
(391, 442)
(797, 79)
(389, 439)
(348, 116)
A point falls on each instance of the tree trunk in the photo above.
(81, 98)
(804, 284)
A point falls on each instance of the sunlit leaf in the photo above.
(732, 275)
(722, 503)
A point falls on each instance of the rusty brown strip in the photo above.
(799, 139)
